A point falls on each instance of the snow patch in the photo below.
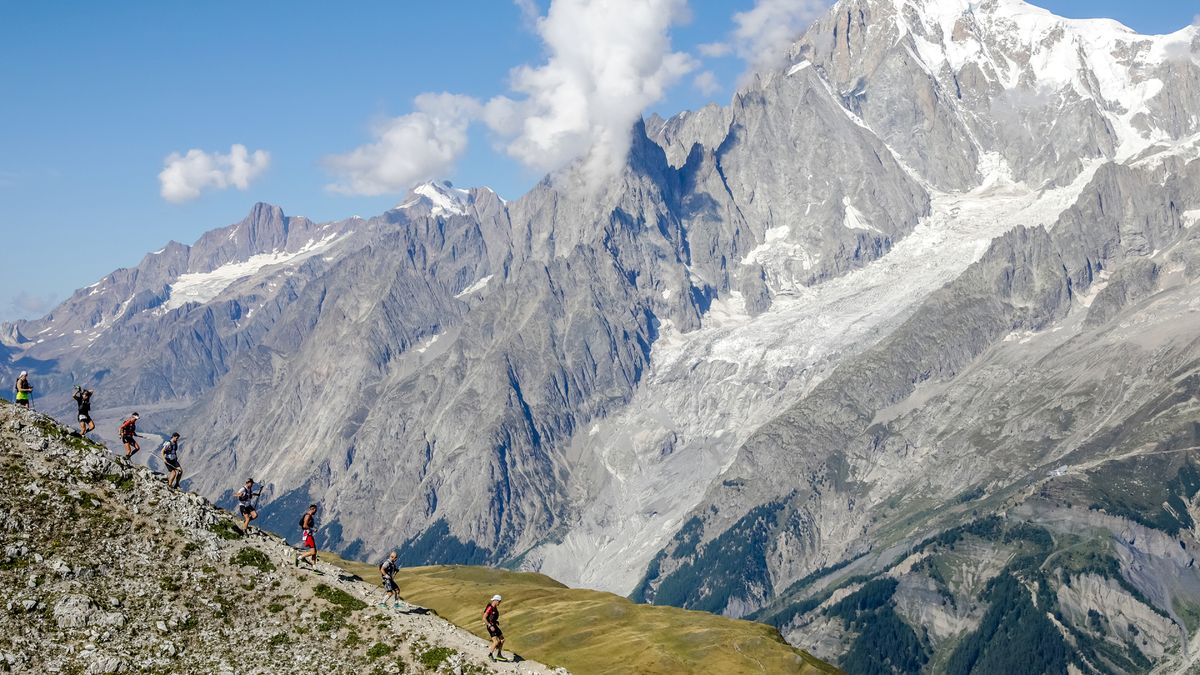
(771, 240)
(202, 287)
(854, 219)
(799, 67)
(1190, 218)
(427, 344)
(446, 200)
(477, 286)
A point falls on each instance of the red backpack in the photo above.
(127, 427)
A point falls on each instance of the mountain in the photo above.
(895, 348)
(107, 570)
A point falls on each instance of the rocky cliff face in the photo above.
(939, 266)
(1063, 351)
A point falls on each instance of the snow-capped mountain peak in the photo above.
(1007, 77)
(442, 198)
(1028, 46)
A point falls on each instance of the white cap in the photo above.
(24, 373)
(495, 598)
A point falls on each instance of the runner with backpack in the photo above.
(308, 528)
(170, 458)
(386, 569)
(83, 402)
(247, 505)
(129, 435)
(491, 619)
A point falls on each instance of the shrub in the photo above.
(252, 557)
(378, 650)
(344, 601)
(433, 658)
(122, 483)
(225, 530)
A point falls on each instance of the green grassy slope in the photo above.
(594, 632)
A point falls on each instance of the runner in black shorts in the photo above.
(491, 618)
(170, 458)
(386, 569)
(129, 435)
(245, 497)
(83, 401)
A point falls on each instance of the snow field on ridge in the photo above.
(203, 287)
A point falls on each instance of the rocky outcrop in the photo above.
(106, 570)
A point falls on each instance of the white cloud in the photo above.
(419, 146)
(607, 62)
(706, 83)
(715, 49)
(762, 34)
(184, 177)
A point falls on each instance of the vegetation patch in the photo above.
(1096, 559)
(122, 483)
(280, 640)
(1189, 613)
(432, 658)
(1014, 636)
(337, 597)
(1134, 490)
(13, 564)
(331, 619)
(252, 557)
(437, 544)
(731, 566)
(378, 651)
(885, 643)
(226, 530)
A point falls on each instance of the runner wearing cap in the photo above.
(246, 497)
(170, 458)
(491, 619)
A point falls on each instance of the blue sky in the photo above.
(97, 95)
